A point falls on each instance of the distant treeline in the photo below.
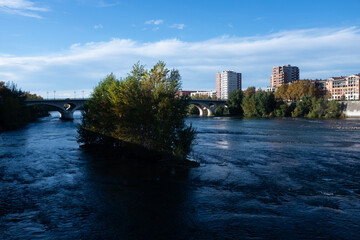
(13, 111)
(299, 99)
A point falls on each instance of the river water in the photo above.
(258, 179)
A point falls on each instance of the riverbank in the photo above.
(14, 113)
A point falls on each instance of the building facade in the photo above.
(283, 74)
(206, 94)
(344, 88)
(226, 82)
(184, 93)
(218, 85)
(321, 85)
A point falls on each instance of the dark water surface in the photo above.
(258, 179)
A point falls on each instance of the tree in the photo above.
(29, 95)
(303, 107)
(234, 103)
(143, 109)
(13, 111)
(296, 90)
(264, 103)
(318, 108)
(261, 104)
(281, 92)
(333, 110)
(249, 107)
(249, 91)
(281, 110)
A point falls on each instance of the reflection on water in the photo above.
(291, 178)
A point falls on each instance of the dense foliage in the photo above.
(299, 99)
(142, 109)
(260, 104)
(13, 112)
(234, 103)
(295, 91)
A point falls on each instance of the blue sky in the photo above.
(70, 45)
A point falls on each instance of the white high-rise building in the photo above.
(226, 82)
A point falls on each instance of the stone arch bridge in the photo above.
(67, 107)
(207, 106)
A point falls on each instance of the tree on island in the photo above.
(143, 110)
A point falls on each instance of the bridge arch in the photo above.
(66, 107)
(202, 109)
(207, 106)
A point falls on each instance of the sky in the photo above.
(68, 46)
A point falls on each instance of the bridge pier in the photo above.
(201, 111)
(204, 109)
(66, 115)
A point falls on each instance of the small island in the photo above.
(141, 115)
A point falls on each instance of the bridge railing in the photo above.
(56, 99)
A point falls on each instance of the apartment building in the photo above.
(344, 88)
(226, 82)
(218, 85)
(283, 74)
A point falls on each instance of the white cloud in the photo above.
(319, 53)
(98, 26)
(21, 7)
(178, 26)
(155, 22)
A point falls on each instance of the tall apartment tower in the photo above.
(226, 82)
(284, 74)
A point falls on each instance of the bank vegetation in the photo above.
(299, 99)
(13, 111)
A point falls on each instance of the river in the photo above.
(258, 179)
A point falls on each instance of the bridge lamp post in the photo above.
(74, 94)
(47, 95)
(54, 94)
(83, 93)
